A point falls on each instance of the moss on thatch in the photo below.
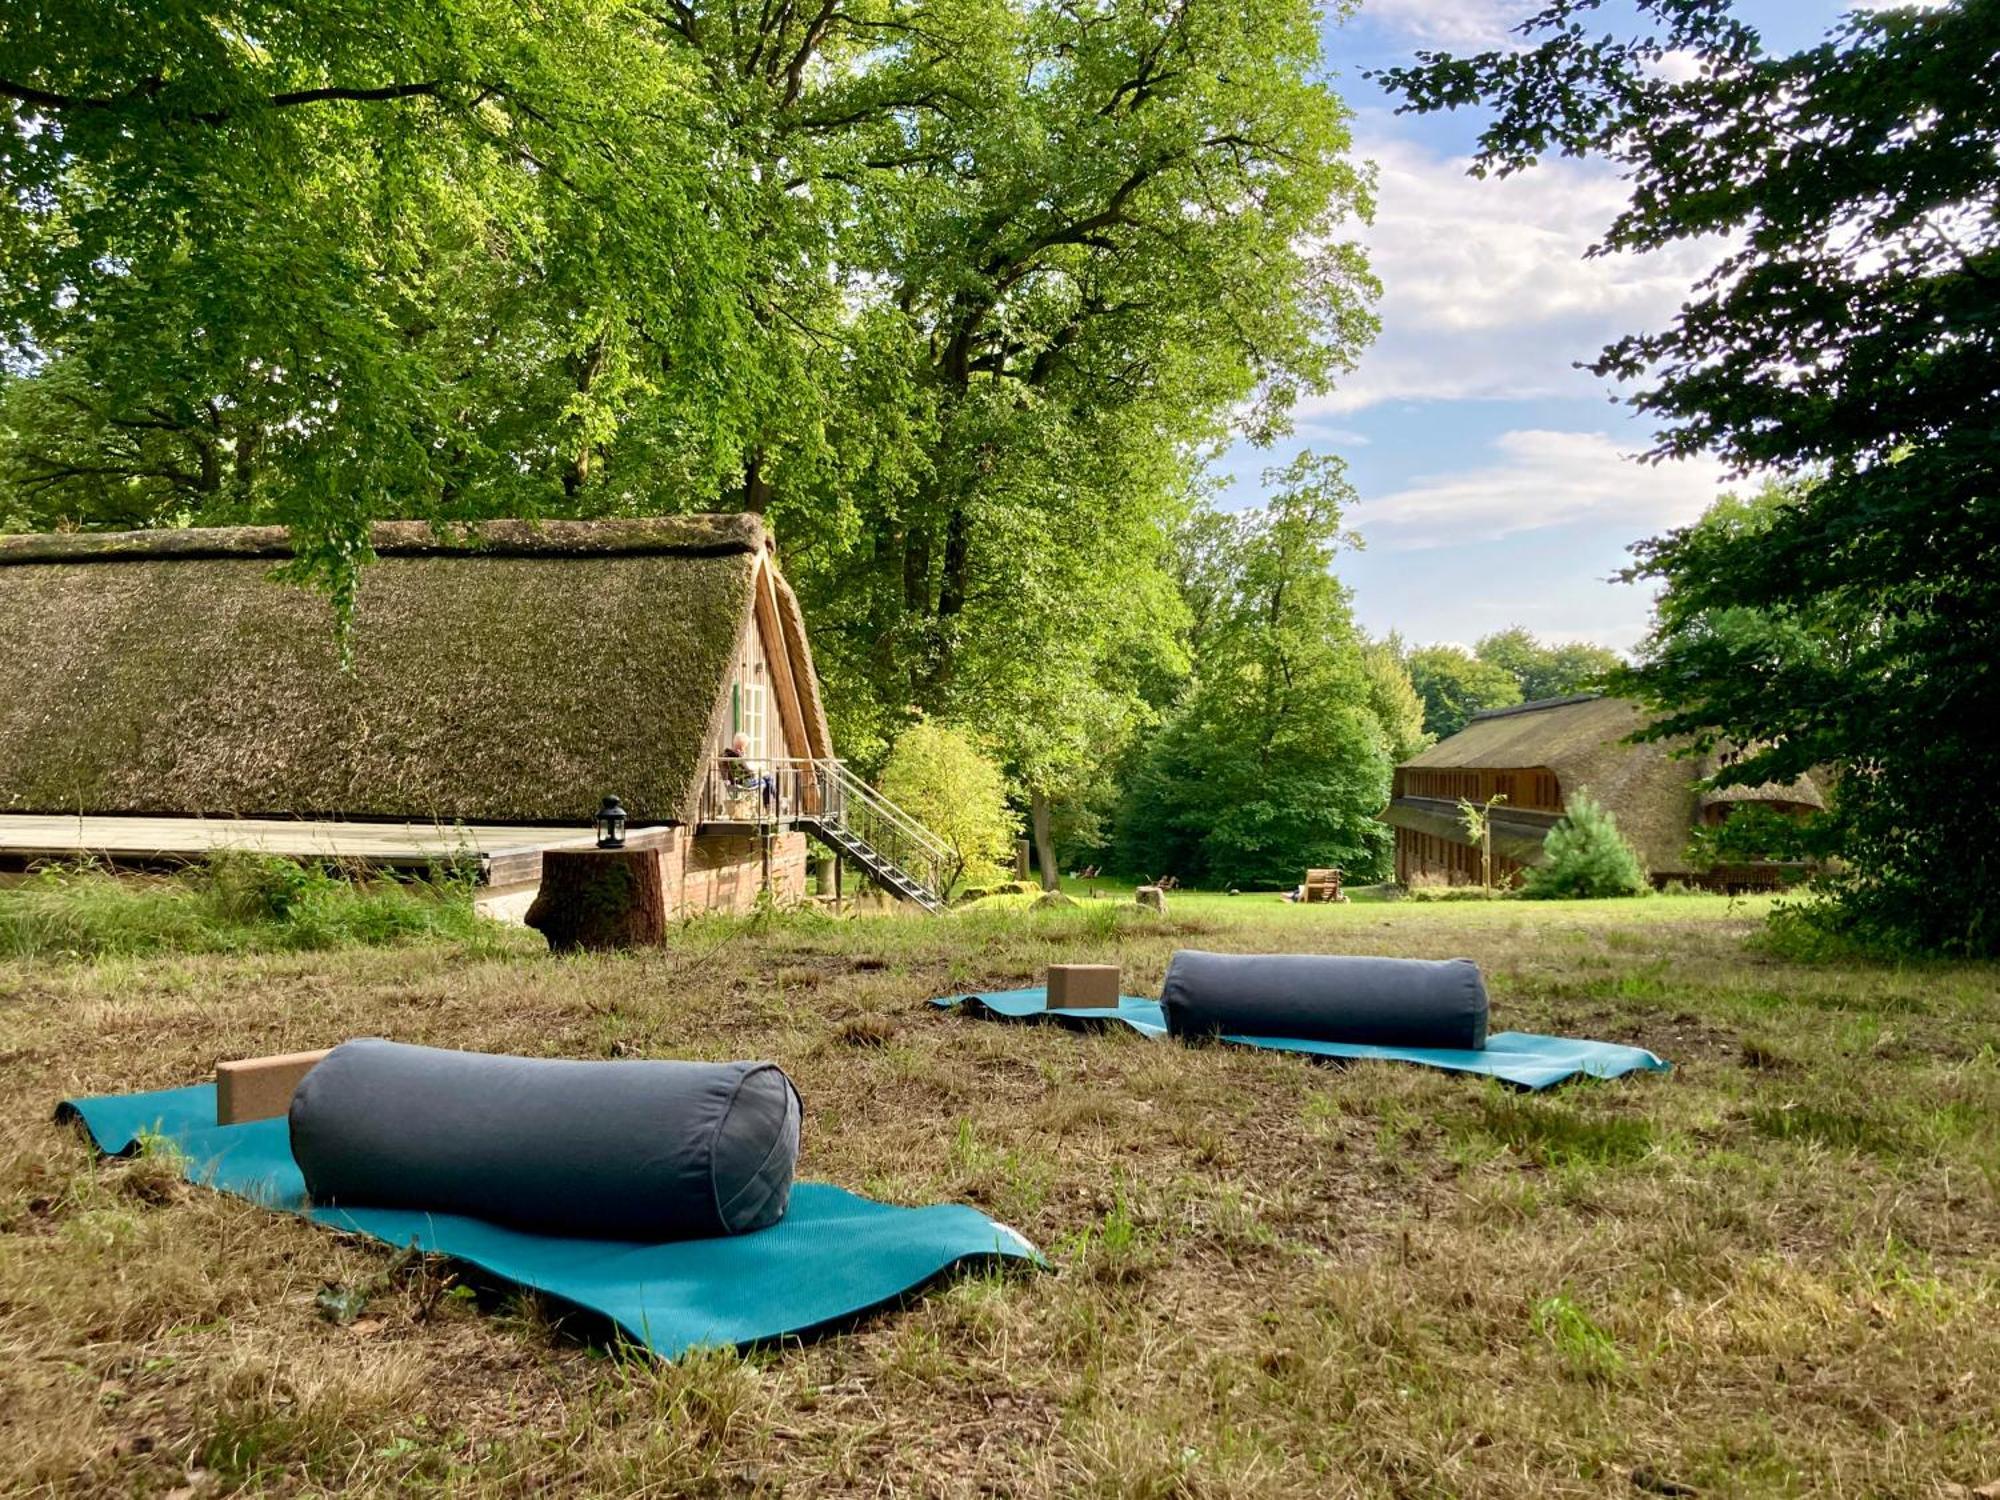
(674, 536)
(518, 676)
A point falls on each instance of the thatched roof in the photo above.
(1652, 791)
(1804, 792)
(1582, 740)
(517, 675)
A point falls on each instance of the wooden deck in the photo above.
(507, 854)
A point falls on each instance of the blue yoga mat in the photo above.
(1517, 1057)
(833, 1257)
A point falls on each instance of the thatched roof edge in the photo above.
(804, 671)
(512, 686)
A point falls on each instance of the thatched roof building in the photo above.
(512, 676)
(1536, 756)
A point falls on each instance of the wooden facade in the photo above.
(1535, 787)
(1527, 761)
(1429, 859)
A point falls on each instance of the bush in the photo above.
(940, 778)
(1420, 891)
(1588, 859)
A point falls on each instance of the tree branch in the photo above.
(150, 88)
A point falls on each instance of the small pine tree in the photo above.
(1588, 859)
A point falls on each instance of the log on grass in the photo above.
(601, 898)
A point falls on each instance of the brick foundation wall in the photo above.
(725, 872)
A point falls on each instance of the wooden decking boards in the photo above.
(507, 854)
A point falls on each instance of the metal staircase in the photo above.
(826, 800)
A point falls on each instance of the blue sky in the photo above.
(1496, 481)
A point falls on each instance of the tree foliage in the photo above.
(1849, 331)
(1587, 858)
(1453, 685)
(1393, 699)
(325, 265)
(1273, 760)
(1541, 670)
(940, 777)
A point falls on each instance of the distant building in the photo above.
(1537, 755)
(154, 683)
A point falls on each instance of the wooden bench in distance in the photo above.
(1083, 986)
(256, 1088)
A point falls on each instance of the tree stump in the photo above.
(1151, 896)
(601, 898)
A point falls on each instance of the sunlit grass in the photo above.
(1775, 1270)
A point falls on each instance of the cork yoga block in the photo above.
(256, 1088)
(1083, 986)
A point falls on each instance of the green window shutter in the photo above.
(735, 708)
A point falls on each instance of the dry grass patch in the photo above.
(1773, 1271)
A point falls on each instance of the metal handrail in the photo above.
(773, 791)
(908, 826)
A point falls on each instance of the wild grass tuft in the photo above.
(233, 903)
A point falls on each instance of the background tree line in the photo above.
(962, 292)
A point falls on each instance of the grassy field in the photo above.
(1774, 1271)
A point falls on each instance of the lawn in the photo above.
(1774, 1271)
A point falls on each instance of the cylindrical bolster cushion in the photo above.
(1384, 1002)
(619, 1150)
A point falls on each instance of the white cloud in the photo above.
(1448, 23)
(1539, 479)
(1486, 291)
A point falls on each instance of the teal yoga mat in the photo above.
(834, 1256)
(1517, 1057)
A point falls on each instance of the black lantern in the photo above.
(611, 820)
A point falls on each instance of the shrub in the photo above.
(236, 902)
(942, 780)
(1588, 859)
(1420, 891)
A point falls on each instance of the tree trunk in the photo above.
(1045, 843)
(601, 898)
(756, 483)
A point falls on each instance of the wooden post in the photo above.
(1021, 847)
(601, 898)
(838, 862)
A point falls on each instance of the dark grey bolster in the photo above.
(1383, 1002)
(619, 1150)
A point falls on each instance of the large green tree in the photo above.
(1850, 330)
(1453, 685)
(1543, 670)
(957, 291)
(327, 264)
(1274, 759)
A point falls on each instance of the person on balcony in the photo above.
(739, 775)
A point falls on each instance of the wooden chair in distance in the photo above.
(1323, 885)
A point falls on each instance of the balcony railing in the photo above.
(752, 790)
